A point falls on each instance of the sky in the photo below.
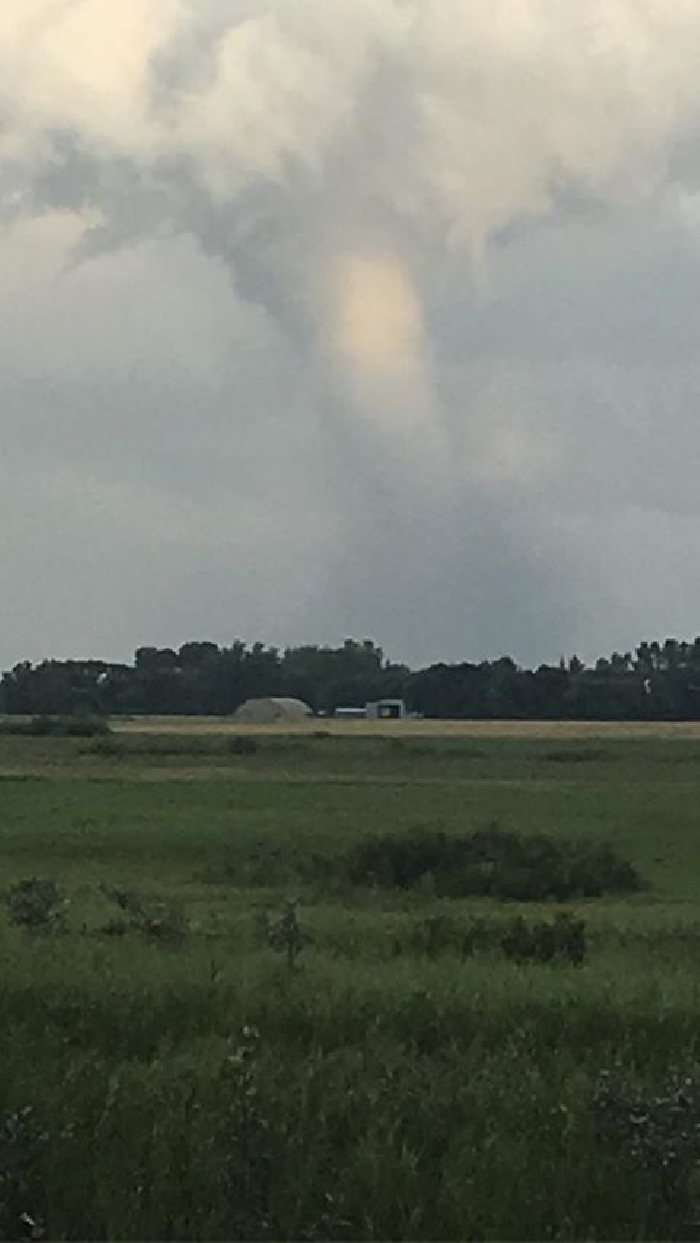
(371, 318)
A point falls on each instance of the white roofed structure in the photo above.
(272, 711)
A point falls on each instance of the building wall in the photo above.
(386, 710)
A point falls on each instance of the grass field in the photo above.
(166, 1076)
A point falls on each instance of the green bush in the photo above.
(560, 940)
(168, 746)
(240, 745)
(563, 939)
(78, 726)
(35, 904)
(580, 755)
(440, 934)
(163, 923)
(491, 863)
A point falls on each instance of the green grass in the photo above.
(381, 1093)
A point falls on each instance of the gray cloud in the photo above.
(371, 319)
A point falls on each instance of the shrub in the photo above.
(35, 904)
(562, 939)
(78, 726)
(439, 934)
(106, 747)
(164, 923)
(491, 863)
(240, 745)
(580, 755)
(158, 746)
(169, 746)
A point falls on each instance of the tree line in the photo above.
(658, 681)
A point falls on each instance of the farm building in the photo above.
(386, 710)
(380, 710)
(272, 712)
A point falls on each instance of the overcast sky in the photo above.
(328, 318)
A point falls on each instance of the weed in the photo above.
(250, 1156)
(23, 1142)
(661, 1133)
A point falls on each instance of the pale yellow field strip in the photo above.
(416, 728)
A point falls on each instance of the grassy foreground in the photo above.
(172, 1079)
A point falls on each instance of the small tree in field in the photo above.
(285, 934)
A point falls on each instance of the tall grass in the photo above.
(412, 1100)
(387, 1087)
